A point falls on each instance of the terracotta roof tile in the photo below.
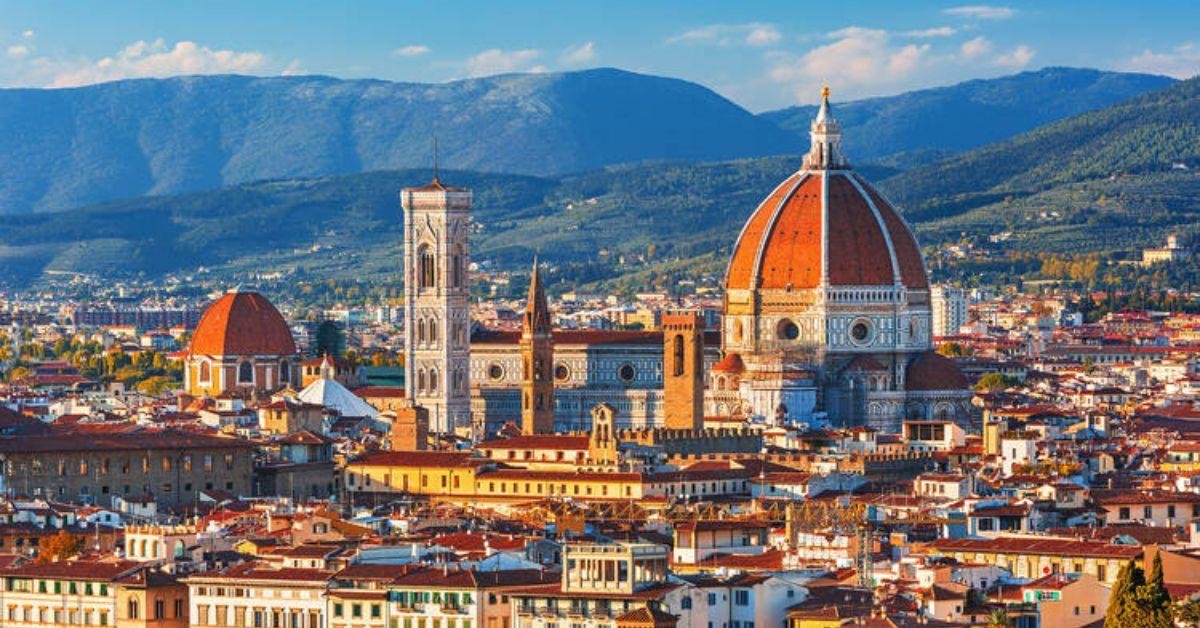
(933, 371)
(120, 441)
(420, 459)
(242, 323)
(731, 363)
(538, 441)
(741, 265)
(908, 253)
(1038, 546)
(804, 224)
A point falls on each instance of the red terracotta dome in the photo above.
(933, 371)
(825, 225)
(830, 223)
(242, 323)
(731, 363)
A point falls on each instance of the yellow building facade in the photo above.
(460, 478)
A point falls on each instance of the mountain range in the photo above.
(1103, 180)
(929, 123)
(66, 148)
(61, 149)
(1118, 178)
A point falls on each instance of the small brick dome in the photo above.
(242, 323)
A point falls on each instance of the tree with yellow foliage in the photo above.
(61, 546)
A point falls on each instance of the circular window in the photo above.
(860, 332)
(495, 371)
(787, 330)
(561, 372)
(626, 373)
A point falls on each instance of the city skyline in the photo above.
(582, 347)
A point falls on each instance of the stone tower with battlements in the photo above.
(683, 370)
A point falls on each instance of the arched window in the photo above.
(133, 608)
(245, 373)
(421, 331)
(285, 372)
(180, 549)
(421, 380)
(433, 330)
(458, 275)
(433, 380)
(205, 373)
(677, 355)
(426, 271)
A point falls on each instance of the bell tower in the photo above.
(537, 361)
(437, 309)
(683, 370)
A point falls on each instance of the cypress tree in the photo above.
(1156, 589)
(1122, 603)
(1154, 603)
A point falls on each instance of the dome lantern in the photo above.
(826, 134)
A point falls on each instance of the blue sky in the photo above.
(762, 55)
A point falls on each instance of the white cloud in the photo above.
(975, 48)
(1181, 62)
(497, 61)
(17, 52)
(1015, 59)
(579, 55)
(412, 50)
(751, 34)
(156, 59)
(906, 60)
(981, 12)
(924, 33)
(29, 34)
(293, 69)
(860, 62)
(857, 58)
(764, 35)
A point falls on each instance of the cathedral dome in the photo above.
(242, 323)
(825, 225)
